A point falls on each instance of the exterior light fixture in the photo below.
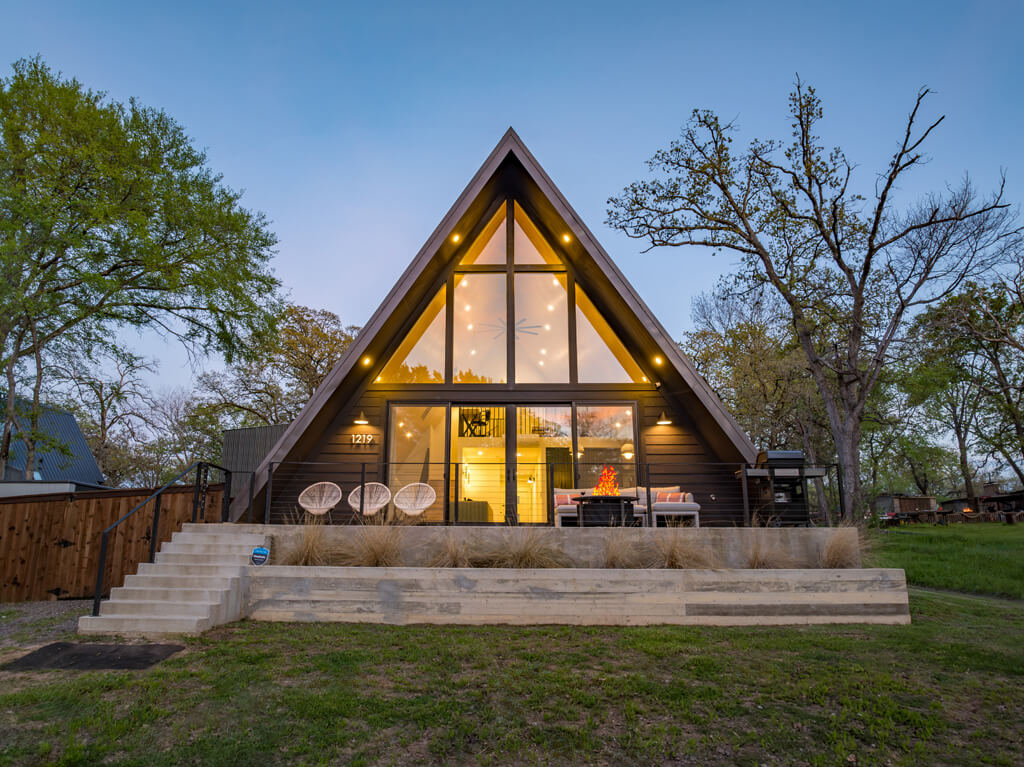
(361, 420)
(377, 380)
(627, 451)
(664, 420)
(366, 360)
(455, 238)
(566, 238)
(657, 360)
(645, 379)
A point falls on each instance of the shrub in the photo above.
(843, 550)
(312, 549)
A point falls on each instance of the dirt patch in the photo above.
(26, 624)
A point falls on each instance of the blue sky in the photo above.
(355, 126)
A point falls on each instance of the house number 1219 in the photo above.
(362, 439)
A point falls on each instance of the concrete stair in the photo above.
(197, 581)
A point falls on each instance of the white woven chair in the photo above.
(416, 498)
(374, 496)
(320, 498)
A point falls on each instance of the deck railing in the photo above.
(479, 492)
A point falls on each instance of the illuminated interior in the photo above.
(420, 356)
(478, 455)
(416, 451)
(543, 437)
(489, 246)
(536, 311)
(478, 341)
(600, 356)
(604, 438)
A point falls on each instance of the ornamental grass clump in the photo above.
(523, 548)
(844, 549)
(311, 549)
(766, 552)
(369, 546)
(624, 551)
(674, 549)
(451, 552)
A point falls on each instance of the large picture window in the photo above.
(516, 315)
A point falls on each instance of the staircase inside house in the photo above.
(196, 582)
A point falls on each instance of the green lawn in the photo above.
(947, 690)
(978, 558)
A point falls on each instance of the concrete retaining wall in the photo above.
(585, 547)
(472, 596)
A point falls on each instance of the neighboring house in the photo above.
(54, 471)
(512, 359)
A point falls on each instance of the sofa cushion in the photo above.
(669, 506)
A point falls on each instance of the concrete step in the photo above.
(148, 607)
(168, 594)
(179, 568)
(176, 558)
(142, 625)
(224, 547)
(198, 536)
(171, 581)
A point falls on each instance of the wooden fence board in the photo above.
(50, 544)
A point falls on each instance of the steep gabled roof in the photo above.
(78, 465)
(511, 163)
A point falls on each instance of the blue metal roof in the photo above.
(52, 465)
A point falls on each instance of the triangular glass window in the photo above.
(420, 356)
(600, 356)
(489, 247)
(529, 245)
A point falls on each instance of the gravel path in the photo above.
(26, 624)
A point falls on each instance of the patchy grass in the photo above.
(976, 558)
(947, 690)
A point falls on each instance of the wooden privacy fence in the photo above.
(50, 544)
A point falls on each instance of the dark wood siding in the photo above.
(675, 454)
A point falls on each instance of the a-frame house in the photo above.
(511, 358)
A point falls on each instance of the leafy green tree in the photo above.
(109, 217)
(283, 370)
(851, 271)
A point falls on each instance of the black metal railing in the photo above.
(481, 492)
(200, 484)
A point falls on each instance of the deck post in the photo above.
(156, 528)
(225, 502)
(252, 489)
(270, 487)
(551, 494)
(746, 495)
(458, 476)
(647, 487)
(100, 573)
(195, 492)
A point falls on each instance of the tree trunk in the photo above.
(848, 452)
(965, 469)
(9, 415)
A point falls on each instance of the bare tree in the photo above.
(850, 270)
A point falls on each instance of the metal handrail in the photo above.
(201, 468)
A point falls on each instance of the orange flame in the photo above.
(607, 484)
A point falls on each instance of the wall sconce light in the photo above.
(455, 238)
(664, 420)
(627, 451)
(657, 360)
(361, 420)
(366, 360)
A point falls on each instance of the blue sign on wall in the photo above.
(260, 555)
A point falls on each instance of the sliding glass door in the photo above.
(504, 461)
